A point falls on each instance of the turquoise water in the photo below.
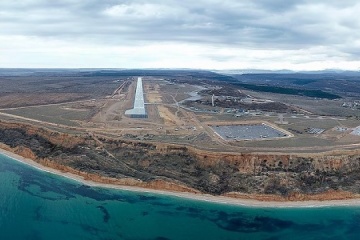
(40, 205)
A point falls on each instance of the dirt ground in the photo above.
(169, 121)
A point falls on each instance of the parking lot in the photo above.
(356, 131)
(247, 132)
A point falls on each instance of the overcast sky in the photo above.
(207, 34)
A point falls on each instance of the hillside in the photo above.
(179, 168)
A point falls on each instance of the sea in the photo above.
(39, 205)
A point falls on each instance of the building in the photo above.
(138, 111)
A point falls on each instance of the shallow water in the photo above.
(40, 205)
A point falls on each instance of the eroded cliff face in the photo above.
(180, 168)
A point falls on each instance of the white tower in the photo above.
(281, 119)
(213, 100)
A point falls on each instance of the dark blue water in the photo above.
(40, 205)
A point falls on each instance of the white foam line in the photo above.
(192, 196)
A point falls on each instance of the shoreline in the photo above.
(192, 196)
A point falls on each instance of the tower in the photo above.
(281, 119)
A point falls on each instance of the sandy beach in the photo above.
(200, 197)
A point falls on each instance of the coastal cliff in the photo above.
(261, 176)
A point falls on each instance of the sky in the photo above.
(201, 34)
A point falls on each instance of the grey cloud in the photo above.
(267, 24)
